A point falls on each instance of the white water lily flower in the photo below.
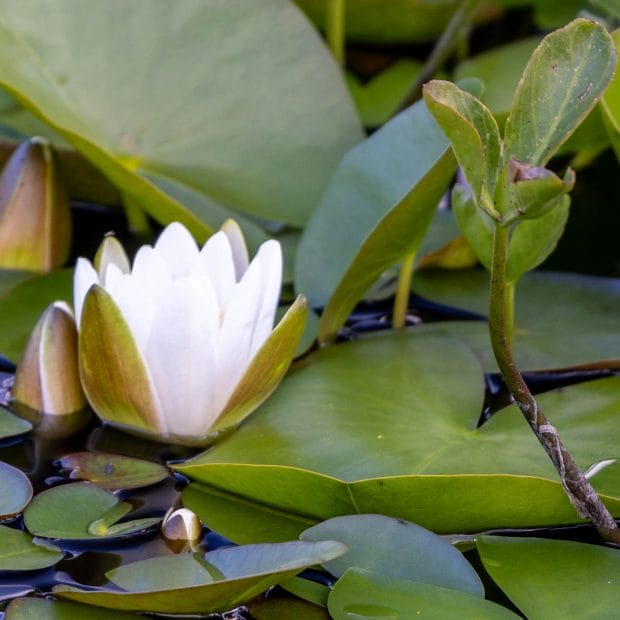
(182, 346)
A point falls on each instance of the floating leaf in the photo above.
(554, 578)
(80, 511)
(15, 490)
(561, 319)
(285, 609)
(416, 456)
(18, 551)
(11, 425)
(112, 471)
(48, 609)
(362, 594)
(244, 572)
(257, 124)
(396, 548)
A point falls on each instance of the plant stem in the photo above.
(509, 313)
(401, 301)
(334, 29)
(449, 40)
(582, 496)
(137, 221)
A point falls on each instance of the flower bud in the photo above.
(182, 528)
(35, 220)
(47, 378)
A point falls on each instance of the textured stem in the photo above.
(449, 40)
(334, 29)
(401, 301)
(582, 496)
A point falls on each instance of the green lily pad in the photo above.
(396, 548)
(47, 609)
(228, 103)
(15, 490)
(11, 425)
(112, 471)
(235, 575)
(361, 594)
(561, 320)
(285, 609)
(18, 551)
(387, 425)
(80, 511)
(554, 578)
(23, 297)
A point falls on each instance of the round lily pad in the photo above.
(11, 425)
(19, 551)
(15, 490)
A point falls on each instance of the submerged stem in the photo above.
(335, 30)
(401, 301)
(582, 496)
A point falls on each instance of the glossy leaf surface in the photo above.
(112, 471)
(18, 551)
(11, 425)
(362, 595)
(420, 395)
(257, 124)
(396, 548)
(80, 511)
(240, 573)
(15, 490)
(554, 578)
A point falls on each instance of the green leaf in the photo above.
(396, 548)
(361, 594)
(18, 551)
(386, 244)
(15, 490)
(554, 578)
(112, 471)
(306, 451)
(48, 609)
(563, 80)
(562, 320)
(610, 104)
(285, 609)
(80, 511)
(244, 572)
(230, 106)
(473, 134)
(23, 297)
(372, 180)
(11, 425)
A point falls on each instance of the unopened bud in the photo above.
(35, 220)
(182, 527)
(47, 378)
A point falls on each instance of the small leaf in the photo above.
(15, 491)
(473, 134)
(396, 548)
(47, 609)
(80, 511)
(11, 425)
(563, 80)
(361, 595)
(18, 551)
(112, 471)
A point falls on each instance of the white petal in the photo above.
(83, 278)
(178, 248)
(112, 275)
(151, 273)
(237, 244)
(181, 356)
(249, 318)
(216, 260)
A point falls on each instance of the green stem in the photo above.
(136, 218)
(401, 301)
(449, 40)
(335, 29)
(509, 313)
(582, 496)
